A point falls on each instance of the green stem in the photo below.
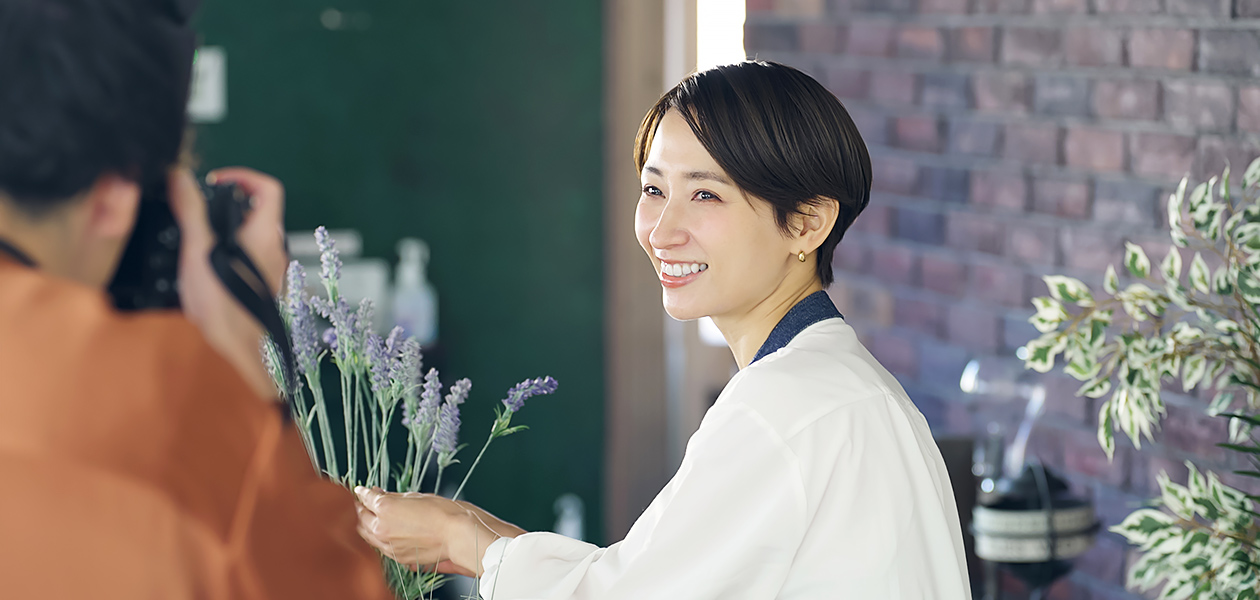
(348, 409)
(325, 428)
(476, 462)
(437, 484)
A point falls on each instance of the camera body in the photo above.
(148, 273)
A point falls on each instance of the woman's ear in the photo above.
(816, 222)
(112, 203)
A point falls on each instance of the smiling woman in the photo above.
(813, 475)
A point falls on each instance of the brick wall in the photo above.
(1011, 139)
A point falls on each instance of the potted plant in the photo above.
(1194, 320)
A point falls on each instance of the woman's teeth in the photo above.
(682, 269)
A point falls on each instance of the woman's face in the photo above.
(717, 251)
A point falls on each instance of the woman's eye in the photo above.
(703, 195)
(652, 190)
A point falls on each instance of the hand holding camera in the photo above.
(226, 324)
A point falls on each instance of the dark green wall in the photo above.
(477, 127)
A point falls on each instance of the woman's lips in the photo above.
(670, 281)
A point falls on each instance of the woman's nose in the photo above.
(670, 230)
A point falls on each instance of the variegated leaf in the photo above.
(1172, 265)
(1136, 261)
(1252, 175)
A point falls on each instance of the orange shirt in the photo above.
(135, 463)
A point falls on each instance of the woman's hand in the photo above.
(225, 323)
(423, 529)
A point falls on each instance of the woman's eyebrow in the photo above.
(694, 175)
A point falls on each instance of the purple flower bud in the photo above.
(430, 397)
(378, 363)
(446, 439)
(329, 257)
(330, 338)
(404, 369)
(301, 321)
(391, 342)
(530, 387)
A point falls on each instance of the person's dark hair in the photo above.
(780, 135)
(89, 87)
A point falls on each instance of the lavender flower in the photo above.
(329, 257)
(422, 416)
(404, 369)
(378, 363)
(301, 321)
(330, 338)
(391, 342)
(446, 438)
(525, 389)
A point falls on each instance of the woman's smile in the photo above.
(678, 274)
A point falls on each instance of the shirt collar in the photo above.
(7, 250)
(812, 309)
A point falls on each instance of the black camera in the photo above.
(148, 273)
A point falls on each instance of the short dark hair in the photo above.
(780, 135)
(89, 87)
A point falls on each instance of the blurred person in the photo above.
(813, 475)
(143, 454)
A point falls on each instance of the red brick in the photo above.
(896, 353)
(943, 274)
(1061, 96)
(999, 190)
(917, 225)
(1128, 202)
(1162, 49)
(1031, 142)
(1094, 149)
(1191, 430)
(1060, 7)
(1161, 155)
(1145, 470)
(848, 84)
(1126, 99)
(972, 44)
(976, 138)
(800, 8)
(1001, 92)
(1232, 52)
(870, 38)
(1061, 398)
(853, 258)
(919, 315)
(1200, 8)
(873, 220)
(1069, 199)
(972, 327)
(1105, 561)
(957, 7)
(780, 37)
(1249, 108)
(1093, 46)
(822, 37)
(894, 175)
(920, 42)
(945, 90)
(973, 231)
(869, 305)
(1091, 249)
(1130, 7)
(945, 184)
(1083, 455)
(1198, 106)
(1032, 243)
(872, 124)
(1000, 284)
(895, 265)
(760, 6)
(1002, 6)
(917, 132)
(1038, 47)
(1216, 152)
(895, 88)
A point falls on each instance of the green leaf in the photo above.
(1239, 431)
(1220, 402)
(1107, 429)
(1136, 261)
(1172, 265)
(1195, 366)
(1252, 175)
(1248, 285)
(1096, 388)
(1241, 448)
(1255, 474)
(1221, 281)
(1068, 289)
(1175, 202)
(1111, 283)
(1199, 274)
(1198, 197)
(1248, 418)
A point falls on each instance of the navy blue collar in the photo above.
(814, 308)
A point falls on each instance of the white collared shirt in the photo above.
(813, 476)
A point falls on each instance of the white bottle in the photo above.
(415, 299)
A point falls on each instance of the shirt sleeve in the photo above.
(726, 526)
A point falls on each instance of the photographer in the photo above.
(142, 454)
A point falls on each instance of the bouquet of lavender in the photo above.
(378, 376)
